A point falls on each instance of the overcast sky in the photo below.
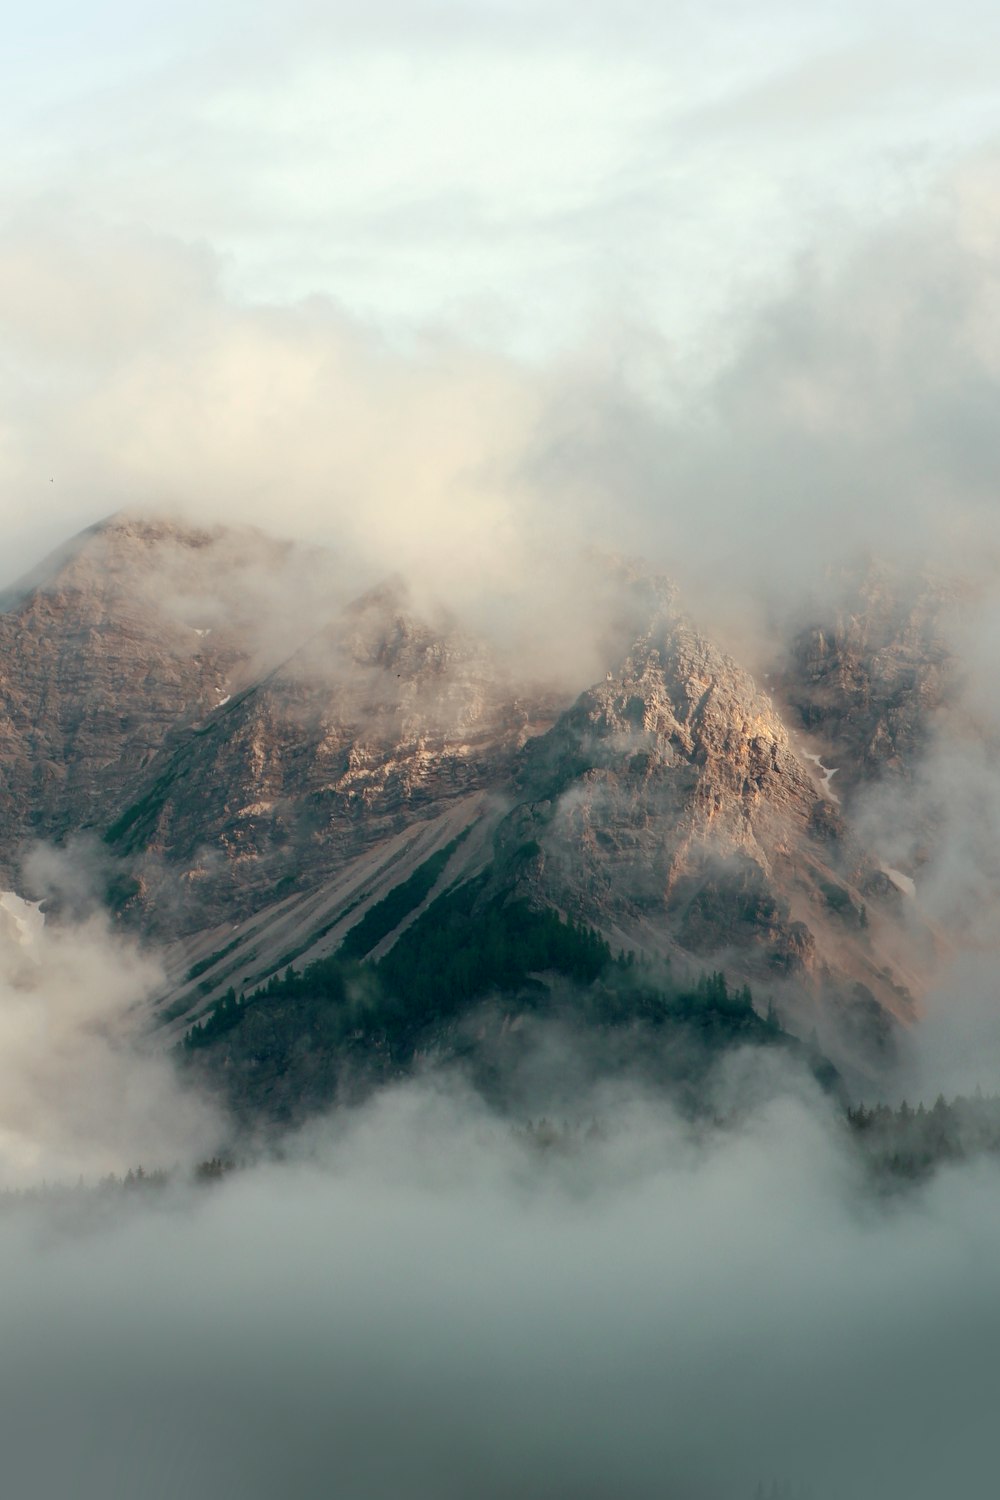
(516, 170)
(511, 200)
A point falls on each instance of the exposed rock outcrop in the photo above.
(105, 652)
(243, 739)
(669, 808)
(869, 676)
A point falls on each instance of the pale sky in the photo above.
(521, 171)
(560, 186)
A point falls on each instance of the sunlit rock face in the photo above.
(670, 807)
(250, 739)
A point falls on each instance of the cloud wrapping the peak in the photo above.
(855, 413)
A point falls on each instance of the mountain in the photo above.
(672, 810)
(283, 771)
(378, 721)
(869, 676)
(107, 650)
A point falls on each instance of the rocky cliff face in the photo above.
(103, 655)
(226, 721)
(378, 722)
(669, 808)
(264, 756)
(869, 676)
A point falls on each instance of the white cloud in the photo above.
(521, 165)
(80, 1091)
(421, 1307)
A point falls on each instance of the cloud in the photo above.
(854, 411)
(135, 383)
(510, 165)
(80, 1091)
(422, 1305)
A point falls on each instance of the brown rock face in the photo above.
(668, 808)
(870, 677)
(102, 657)
(243, 740)
(379, 721)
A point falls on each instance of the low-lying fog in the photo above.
(423, 1299)
(422, 1302)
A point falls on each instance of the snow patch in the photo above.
(256, 809)
(827, 777)
(906, 885)
(223, 701)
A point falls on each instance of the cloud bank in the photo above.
(854, 412)
(422, 1305)
(79, 1094)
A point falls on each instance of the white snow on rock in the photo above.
(827, 776)
(906, 885)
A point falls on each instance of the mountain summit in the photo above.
(270, 763)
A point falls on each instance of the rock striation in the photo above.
(379, 721)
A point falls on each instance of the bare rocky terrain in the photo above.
(870, 675)
(256, 756)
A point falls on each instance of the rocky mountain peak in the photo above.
(669, 806)
(243, 734)
(114, 558)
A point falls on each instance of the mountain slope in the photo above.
(378, 722)
(668, 811)
(105, 651)
(870, 674)
(282, 769)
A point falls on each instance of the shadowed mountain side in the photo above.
(528, 1005)
(303, 927)
(868, 676)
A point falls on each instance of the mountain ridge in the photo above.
(277, 793)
